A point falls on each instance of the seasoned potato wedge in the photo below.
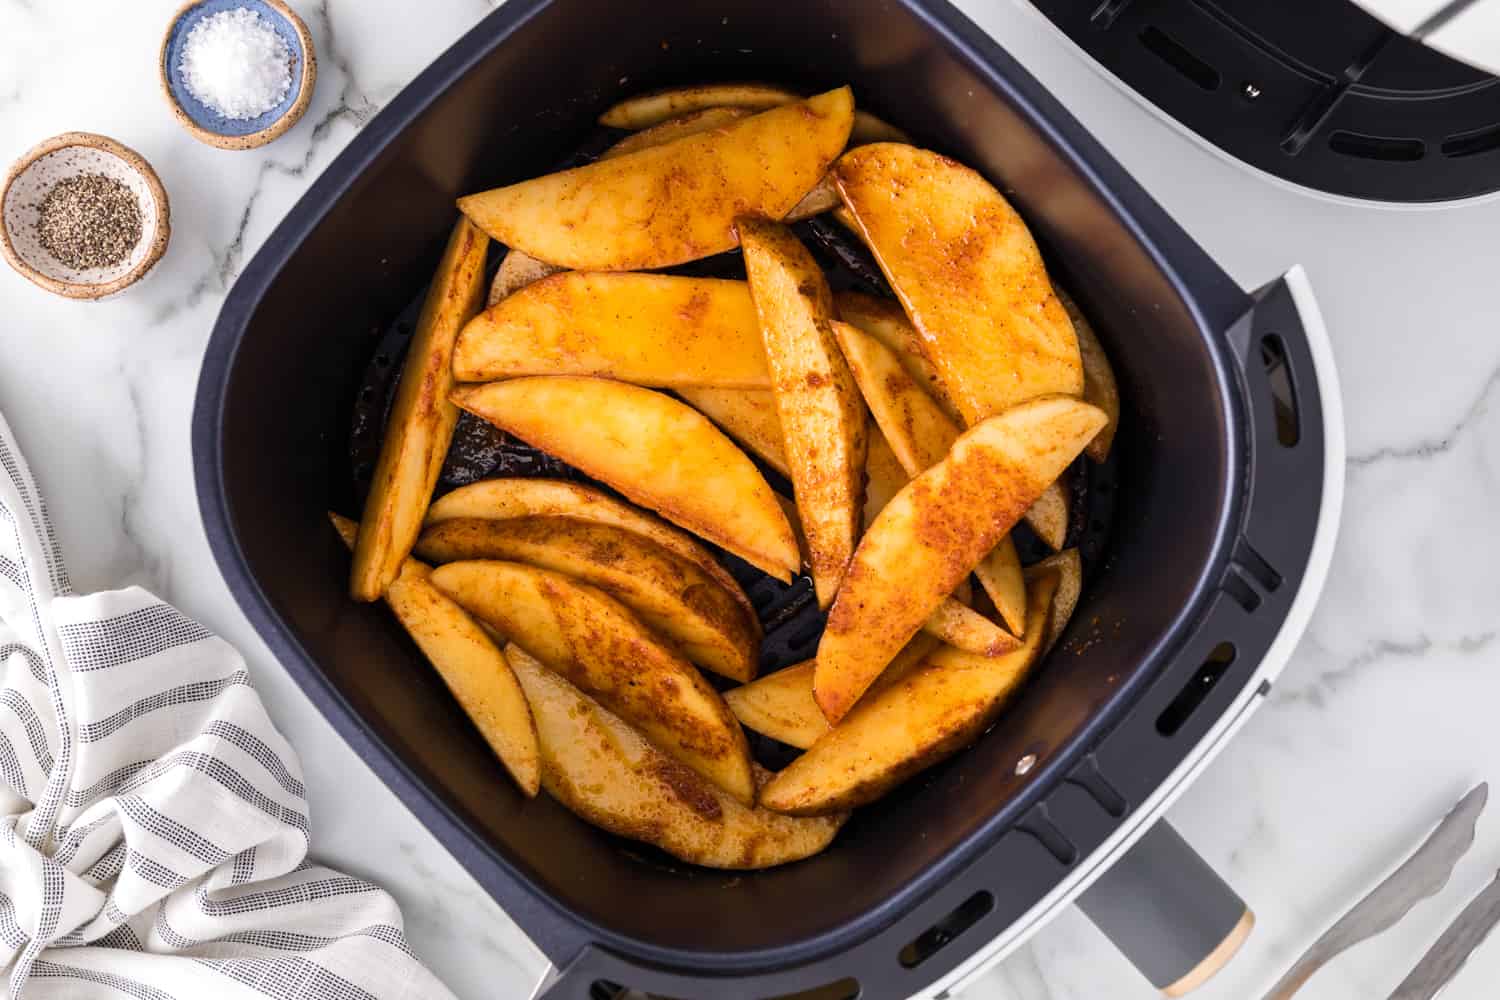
(646, 110)
(674, 203)
(504, 499)
(822, 198)
(594, 763)
(595, 642)
(884, 476)
(468, 661)
(648, 329)
(1049, 516)
(938, 708)
(679, 104)
(822, 417)
(968, 273)
(517, 270)
(1099, 386)
(964, 628)
(656, 450)
(920, 434)
(1068, 567)
(679, 127)
(780, 705)
(886, 321)
(935, 531)
(669, 594)
(422, 419)
(748, 416)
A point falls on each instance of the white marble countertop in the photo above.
(1384, 717)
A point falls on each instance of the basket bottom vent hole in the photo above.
(935, 938)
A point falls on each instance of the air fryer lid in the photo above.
(1319, 92)
(1216, 503)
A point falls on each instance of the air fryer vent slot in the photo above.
(844, 989)
(935, 938)
(1179, 57)
(1473, 142)
(1196, 689)
(1239, 590)
(1038, 824)
(1253, 564)
(1377, 147)
(1088, 777)
(1283, 390)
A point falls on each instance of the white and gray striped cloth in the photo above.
(154, 836)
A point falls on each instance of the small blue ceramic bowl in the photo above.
(207, 124)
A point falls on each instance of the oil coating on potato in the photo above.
(673, 203)
(920, 435)
(468, 661)
(939, 707)
(935, 531)
(819, 407)
(503, 499)
(595, 642)
(647, 329)
(595, 764)
(420, 427)
(967, 272)
(658, 451)
(672, 596)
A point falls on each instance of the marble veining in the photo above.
(1383, 718)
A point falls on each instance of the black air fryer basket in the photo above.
(1199, 531)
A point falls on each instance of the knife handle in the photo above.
(1168, 912)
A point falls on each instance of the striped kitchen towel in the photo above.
(154, 836)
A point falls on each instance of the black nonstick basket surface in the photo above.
(1197, 535)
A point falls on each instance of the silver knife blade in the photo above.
(1420, 876)
(1443, 960)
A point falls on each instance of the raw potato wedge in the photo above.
(920, 435)
(822, 417)
(1068, 567)
(597, 644)
(1099, 387)
(679, 127)
(505, 499)
(674, 203)
(935, 531)
(420, 427)
(647, 329)
(968, 274)
(658, 451)
(468, 661)
(655, 107)
(938, 708)
(1049, 516)
(595, 764)
(885, 320)
(748, 416)
(517, 270)
(780, 705)
(669, 594)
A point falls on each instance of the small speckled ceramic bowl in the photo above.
(33, 175)
(239, 133)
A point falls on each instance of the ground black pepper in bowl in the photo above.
(89, 221)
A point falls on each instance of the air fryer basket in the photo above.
(1217, 497)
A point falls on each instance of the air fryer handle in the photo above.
(1168, 912)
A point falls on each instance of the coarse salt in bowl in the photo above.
(219, 81)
